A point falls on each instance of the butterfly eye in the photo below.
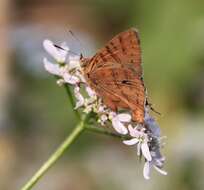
(81, 56)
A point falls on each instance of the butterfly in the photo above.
(115, 74)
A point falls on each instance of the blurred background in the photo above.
(35, 114)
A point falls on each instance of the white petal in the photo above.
(101, 109)
(63, 52)
(81, 77)
(90, 92)
(112, 115)
(158, 163)
(60, 82)
(124, 117)
(51, 67)
(118, 126)
(79, 97)
(74, 61)
(70, 78)
(133, 131)
(58, 55)
(87, 109)
(146, 170)
(145, 151)
(103, 118)
(79, 104)
(160, 170)
(131, 141)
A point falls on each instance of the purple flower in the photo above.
(157, 161)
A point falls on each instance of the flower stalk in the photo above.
(106, 132)
(71, 99)
(55, 156)
(64, 146)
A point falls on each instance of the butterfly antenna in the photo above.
(59, 47)
(155, 111)
(150, 106)
(77, 39)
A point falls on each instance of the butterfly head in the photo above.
(83, 61)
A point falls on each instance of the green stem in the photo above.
(55, 156)
(71, 99)
(68, 91)
(105, 132)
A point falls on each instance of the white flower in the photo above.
(88, 109)
(103, 118)
(147, 167)
(58, 54)
(118, 120)
(58, 70)
(74, 61)
(101, 108)
(51, 67)
(80, 76)
(141, 139)
(60, 82)
(89, 91)
(146, 170)
(124, 117)
(79, 97)
(71, 79)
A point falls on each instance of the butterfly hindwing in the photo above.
(120, 88)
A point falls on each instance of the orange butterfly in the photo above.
(115, 74)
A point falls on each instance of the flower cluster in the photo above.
(145, 137)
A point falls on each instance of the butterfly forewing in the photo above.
(124, 48)
(115, 74)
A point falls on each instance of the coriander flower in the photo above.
(58, 54)
(79, 97)
(90, 92)
(71, 79)
(118, 121)
(140, 139)
(73, 61)
(157, 161)
(147, 167)
(52, 68)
